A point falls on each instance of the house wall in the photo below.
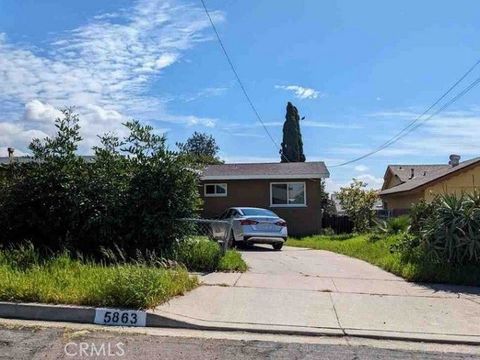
(400, 203)
(465, 181)
(256, 193)
(391, 181)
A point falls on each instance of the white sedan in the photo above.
(256, 226)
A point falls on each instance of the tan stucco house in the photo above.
(291, 190)
(405, 185)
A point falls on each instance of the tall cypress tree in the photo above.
(292, 145)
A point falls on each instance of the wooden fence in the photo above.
(341, 224)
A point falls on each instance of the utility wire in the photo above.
(413, 124)
(250, 102)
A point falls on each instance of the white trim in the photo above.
(289, 205)
(225, 185)
(264, 177)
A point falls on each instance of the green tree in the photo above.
(358, 202)
(292, 144)
(327, 205)
(201, 148)
(130, 196)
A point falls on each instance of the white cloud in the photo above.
(205, 93)
(190, 120)
(300, 91)
(240, 127)
(103, 68)
(447, 133)
(334, 184)
(327, 125)
(371, 181)
(361, 168)
(40, 113)
(250, 159)
(388, 114)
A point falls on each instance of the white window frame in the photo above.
(289, 183)
(225, 185)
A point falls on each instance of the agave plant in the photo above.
(453, 232)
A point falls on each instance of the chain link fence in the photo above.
(215, 230)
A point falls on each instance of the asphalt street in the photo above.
(60, 343)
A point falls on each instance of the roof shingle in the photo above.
(294, 170)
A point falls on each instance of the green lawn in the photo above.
(378, 253)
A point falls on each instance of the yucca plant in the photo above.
(452, 233)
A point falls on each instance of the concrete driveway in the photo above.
(320, 292)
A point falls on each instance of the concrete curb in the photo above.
(84, 314)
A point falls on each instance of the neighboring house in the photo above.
(405, 185)
(291, 190)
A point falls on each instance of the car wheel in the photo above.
(277, 246)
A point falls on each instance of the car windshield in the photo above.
(257, 212)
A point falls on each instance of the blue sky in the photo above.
(358, 71)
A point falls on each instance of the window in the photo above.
(288, 194)
(215, 189)
(257, 212)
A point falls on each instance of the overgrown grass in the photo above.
(62, 280)
(232, 261)
(201, 254)
(25, 276)
(379, 254)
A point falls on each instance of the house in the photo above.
(291, 190)
(405, 185)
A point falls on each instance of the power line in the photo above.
(413, 124)
(250, 102)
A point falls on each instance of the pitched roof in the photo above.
(404, 172)
(431, 176)
(26, 159)
(294, 170)
(20, 159)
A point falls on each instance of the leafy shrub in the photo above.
(375, 236)
(447, 230)
(453, 232)
(421, 212)
(408, 245)
(393, 225)
(399, 224)
(328, 231)
(358, 203)
(131, 194)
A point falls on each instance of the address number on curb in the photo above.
(117, 317)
